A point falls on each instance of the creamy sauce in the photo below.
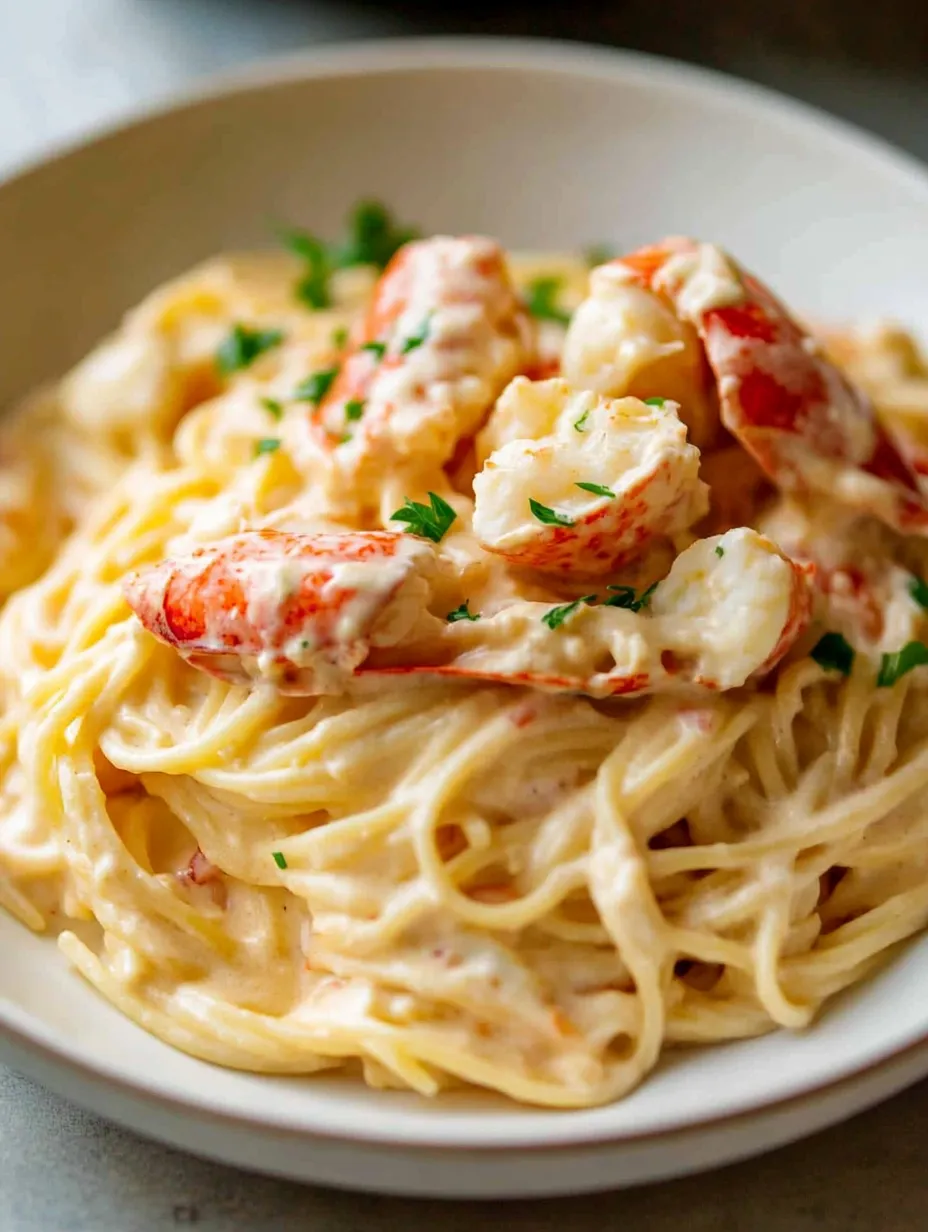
(700, 281)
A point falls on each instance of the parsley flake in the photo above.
(719, 551)
(279, 859)
(242, 346)
(273, 407)
(269, 444)
(541, 300)
(554, 617)
(834, 653)
(894, 666)
(373, 237)
(550, 517)
(918, 589)
(316, 386)
(340, 338)
(430, 521)
(312, 288)
(579, 423)
(654, 401)
(462, 613)
(417, 339)
(377, 349)
(627, 597)
(599, 254)
(597, 489)
(354, 409)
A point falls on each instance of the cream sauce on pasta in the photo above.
(438, 881)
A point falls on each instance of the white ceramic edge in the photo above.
(63, 1061)
(364, 56)
(488, 1174)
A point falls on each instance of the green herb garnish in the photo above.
(462, 613)
(654, 401)
(579, 423)
(599, 254)
(377, 349)
(312, 288)
(554, 617)
(894, 666)
(597, 489)
(550, 517)
(273, 407)
(417, 339)
(269, 444)
(834, 653)
(541, 300)
(316, 386)
(354, 409)
(373, 237)
(719, 551)
(279, 859)
(627, 597)
(430, 521)
(340, 338)
(242, 346)
(918, 589)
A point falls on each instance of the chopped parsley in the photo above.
(834, 653)
(719, 551)
(279, 859)
(377, 349)
(654, 401)
(316, 386)
(374, 236)
(599, 254)
(354, 409)
(430, 521)
(918, 589)
(597, 489)
(312, 287)
(340, 337)
(579, 424)
(554, 617)
(541, 300)
(894, 666)
(242, 346)
(417, 339)
(627, 597)
(462, 613)
(268, 444)
(273, 407)
(550, 517)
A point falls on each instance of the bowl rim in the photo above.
(44, 1049)
(371, 56)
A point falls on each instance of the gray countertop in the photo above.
(66, 65)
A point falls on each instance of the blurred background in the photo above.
(66, 65)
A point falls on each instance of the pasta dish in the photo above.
(463, 667)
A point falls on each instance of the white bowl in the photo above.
(543, 146)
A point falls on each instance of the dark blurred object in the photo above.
(876, 34)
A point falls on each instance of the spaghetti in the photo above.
(429, 872)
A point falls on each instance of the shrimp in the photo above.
(865, 589)
(312, 613)
(809, 429)
(580, 484)
(445, 333)
(300, 611)
(889, 366)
